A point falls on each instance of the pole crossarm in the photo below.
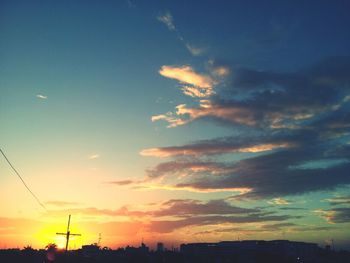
(67, 234)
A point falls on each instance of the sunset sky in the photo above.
(175, 121)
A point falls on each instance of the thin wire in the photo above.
(24, 183)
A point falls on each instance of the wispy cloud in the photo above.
(339, 200)
(202, 149)
(279, 201)
(40, 96)
(93, 156)
(195, 51)
(167, 19)
(122, 182)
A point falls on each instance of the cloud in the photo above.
(188, 207)
(292, 208)
(336, 215)
(94, 156)
(170, 118)
(244, 143)
(270, 176)
(195, 51)
(186, 74)
(274, 100)
(268, 228)
(122, 182)
(277, 227)
(339, 200)
(188, 167)
(180, 213)
(167, 226)
(292, 227)
(198, 149)
(167, 19)
(293, 125)
(279, 201)
(40, 96)
(220, 71)
(193, 84)
(176, 208)
(196, 92)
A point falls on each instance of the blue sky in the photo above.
(202, 107)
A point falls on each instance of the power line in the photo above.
(24, 183)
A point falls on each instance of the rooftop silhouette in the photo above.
(253, 251)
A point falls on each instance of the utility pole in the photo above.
(99, 239)
(68, 234)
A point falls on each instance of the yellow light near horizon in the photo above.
(47, 234)
(60, 241)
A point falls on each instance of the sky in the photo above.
(175, 121)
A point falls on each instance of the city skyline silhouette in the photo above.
(171, 123)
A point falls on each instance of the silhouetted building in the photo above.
(134, 250)
(160, 247)
(249, 248)
(90, 250)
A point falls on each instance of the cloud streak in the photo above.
(42, 97)
(167, 20)
(201, 85)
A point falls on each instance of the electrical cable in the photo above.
(24, 183)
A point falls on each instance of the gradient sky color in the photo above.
(175, 121)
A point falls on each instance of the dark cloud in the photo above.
(292, 208)
(283, 171)
(178, 213)
(273, 175)
(340, 200)
(313, 228)
(276, 227)
(195, 207)
(167, 226)
(174, 208)
(289, 171)
(273, 99)
(337, 215)
(259, 141)
(187, 167)
(280, 171)
(296, 124)
(294, 227)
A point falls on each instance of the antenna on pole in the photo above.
(68, 233)
(99, 239)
